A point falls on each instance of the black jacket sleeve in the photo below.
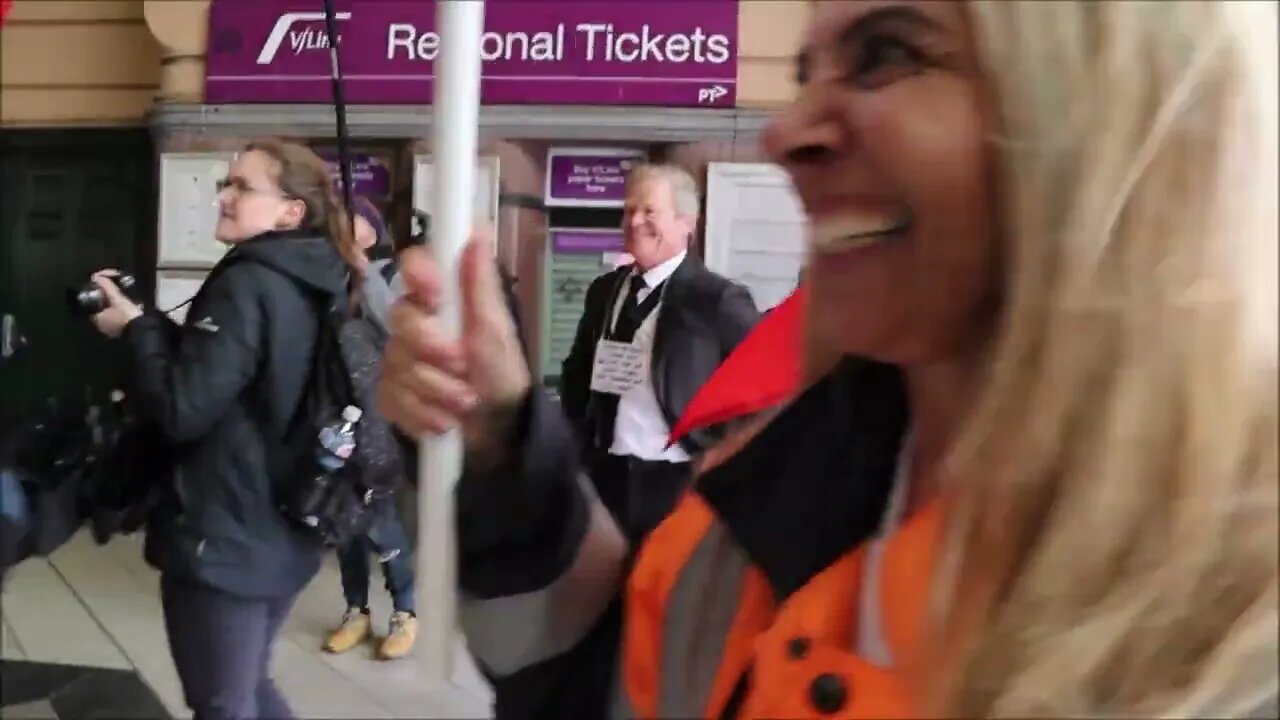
(735, 317)
(188, 384)
(520, 526)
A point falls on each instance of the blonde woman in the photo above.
(1035, 473)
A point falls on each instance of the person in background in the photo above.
(224, 394)
(388, 269)
(682, 318)
(374, 238)
(386, 539)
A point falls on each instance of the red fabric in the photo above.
(5, 6)
(761, 372)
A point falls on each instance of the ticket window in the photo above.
(582, 245)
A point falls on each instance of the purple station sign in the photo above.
(534, 52)
(586, 241)
(370, 175)
(588, 178)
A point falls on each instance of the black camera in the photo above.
(90, 300)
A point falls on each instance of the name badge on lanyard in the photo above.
(618, 368)
(622, 364)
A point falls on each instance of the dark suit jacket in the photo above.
(702, 318)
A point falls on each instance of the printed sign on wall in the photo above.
(577, 257)
(756, 229)
(370, 174)
(588, 177)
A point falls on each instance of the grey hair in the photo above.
(685, 194)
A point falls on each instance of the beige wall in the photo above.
(77, 62)
(769, 33)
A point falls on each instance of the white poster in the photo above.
(755, 229)
(487, 188)
(174, 290)
(189, 209)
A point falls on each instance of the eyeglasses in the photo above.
(240, 187)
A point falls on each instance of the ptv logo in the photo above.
(709, 95)
(308, 38)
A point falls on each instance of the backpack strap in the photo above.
(331, 313)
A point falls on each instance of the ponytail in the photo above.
(340, 232)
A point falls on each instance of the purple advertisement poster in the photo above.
(370, 175)
(544, 52)
(586, 241)
(588, 178)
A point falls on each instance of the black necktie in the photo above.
(629, 317)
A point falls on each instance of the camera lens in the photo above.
(87, 300)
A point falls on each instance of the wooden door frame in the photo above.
(119, 142)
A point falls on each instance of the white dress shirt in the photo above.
(641, 431)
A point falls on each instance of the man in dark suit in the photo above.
(650, 335)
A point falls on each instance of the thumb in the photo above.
(483, 303)
(421, 274)
(109, 287)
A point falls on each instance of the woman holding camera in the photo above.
(224, 387)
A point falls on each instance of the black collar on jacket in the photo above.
(815, 482)
(673, 300)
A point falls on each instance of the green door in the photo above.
(72, 204)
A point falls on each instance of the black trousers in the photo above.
(638, 493)
(221, 646)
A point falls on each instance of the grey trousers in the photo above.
(221, 647)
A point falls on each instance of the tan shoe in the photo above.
(355, 629)
(404, 631)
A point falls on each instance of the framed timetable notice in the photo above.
(755, 229)
(486, 190)
(189, 209)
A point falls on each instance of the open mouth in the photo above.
(852, 232)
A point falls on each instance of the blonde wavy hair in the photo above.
(1112, 550)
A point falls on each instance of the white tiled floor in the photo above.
(100, 606)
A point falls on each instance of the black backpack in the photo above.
(339, 506)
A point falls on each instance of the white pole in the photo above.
(455, 110)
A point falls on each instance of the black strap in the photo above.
(733, 706)
(340, 109)
(331, 314)
(331, 317)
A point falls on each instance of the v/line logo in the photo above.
(308, 38)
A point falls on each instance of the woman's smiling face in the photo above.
(887, 147)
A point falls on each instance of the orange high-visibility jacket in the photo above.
(748, 600)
